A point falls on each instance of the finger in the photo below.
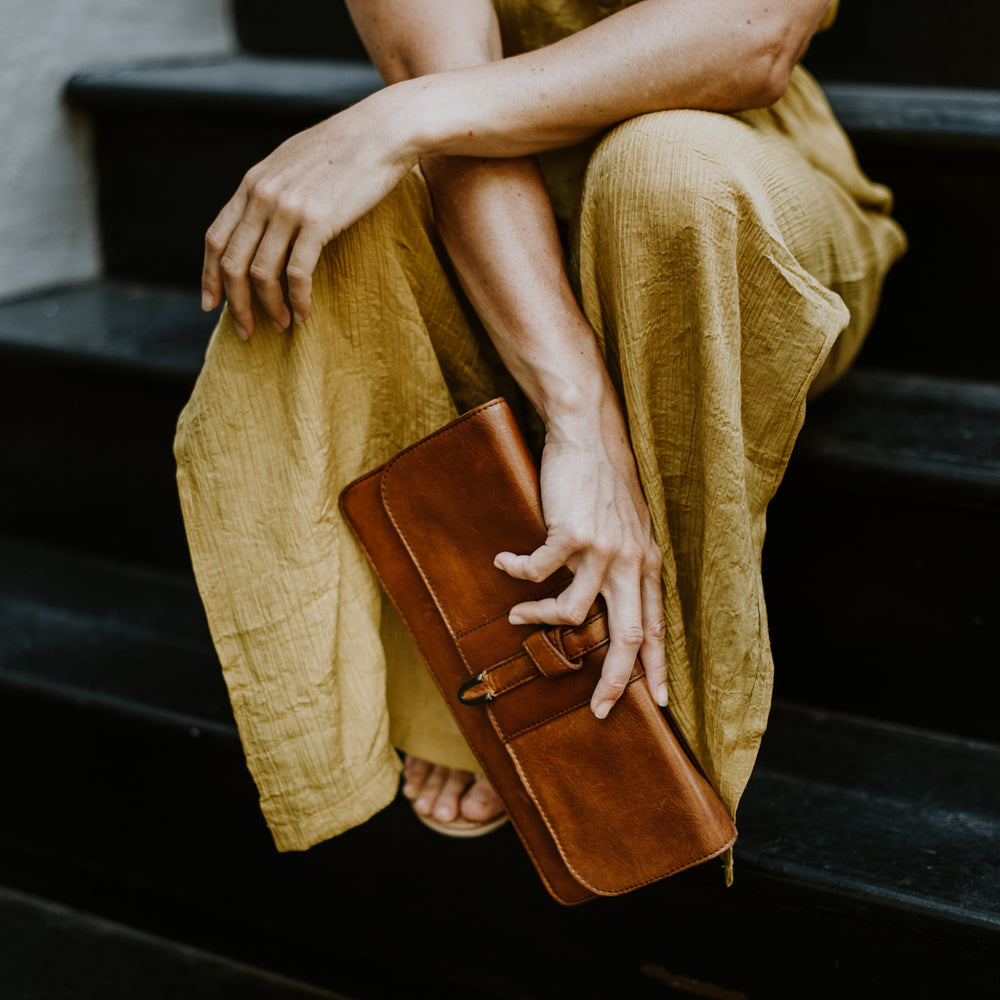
(625, 628)
(538, 566)
(235, 266)
(266, 271)
(301, 265)
(568, 608)
(654, 628)
(216, 240)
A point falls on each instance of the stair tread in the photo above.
(277, 84)
(109, 632)
(941, 432)
(896, 108)
(103, 960)
(144, 329)
(839, 804)
(232, 82)
(862, 806)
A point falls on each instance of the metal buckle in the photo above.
(479, 699)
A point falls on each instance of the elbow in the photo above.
(772, 82)
(768, 67)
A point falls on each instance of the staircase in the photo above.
(133, 859)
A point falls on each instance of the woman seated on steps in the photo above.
(721, 258)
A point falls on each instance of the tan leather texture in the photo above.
(602, 807)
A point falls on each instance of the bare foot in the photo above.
(445, 793)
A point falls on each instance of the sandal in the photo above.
(460, 826)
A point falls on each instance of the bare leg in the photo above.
(446, 793)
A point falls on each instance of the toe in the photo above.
(446, 807)
(429, 791)
(481, 802)
(415, 772)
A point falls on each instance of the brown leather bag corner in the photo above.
(602, 807)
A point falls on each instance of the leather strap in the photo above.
(549, 652)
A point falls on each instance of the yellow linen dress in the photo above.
(728, 264)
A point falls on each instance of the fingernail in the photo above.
(516, 620)
(242, 333)
(661, 696)
(497, 563)
(206, 301)
(602, 710)
(298, 317)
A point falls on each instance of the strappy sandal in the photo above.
(460, 826)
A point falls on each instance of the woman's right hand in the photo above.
(268, 238)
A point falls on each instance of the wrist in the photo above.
(431, 116)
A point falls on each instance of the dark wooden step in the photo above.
(92, 379)
(865, 862)
(49, 951)
(882, 563)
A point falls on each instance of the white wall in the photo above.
(48, 228)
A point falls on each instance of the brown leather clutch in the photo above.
(602, 807)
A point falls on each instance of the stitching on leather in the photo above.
(576, 874)
(503, 614)
(558, 715)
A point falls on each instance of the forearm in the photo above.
(494, 216)
(718, 55)
(497, 224)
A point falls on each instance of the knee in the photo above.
(664, 172)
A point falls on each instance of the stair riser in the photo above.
(298, 28)
(917, 43)
(88, 462)
(164, 176)
(938, 312)
(166, 820)
(885, 607)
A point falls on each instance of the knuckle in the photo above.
(633, 635)
(534, 573)
(297, 273)
(215, 240)
(262, 194)
(632, 554)
(657, 629)
(654, 559)
(258, 272)
(571, 612)
(615, 686)
(231, 268)
(288, 204)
